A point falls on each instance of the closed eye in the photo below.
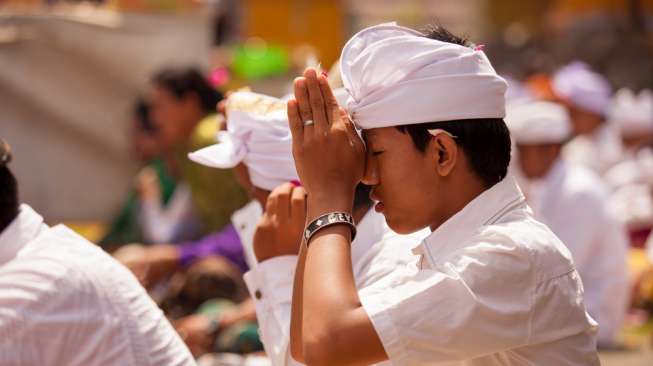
(377, 153)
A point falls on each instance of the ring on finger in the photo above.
(309, 122)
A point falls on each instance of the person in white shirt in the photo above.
(573, 202)
(63, 301)
(631, 180)
(261, 140)
(493, 285)
(587, 95)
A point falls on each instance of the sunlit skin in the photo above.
(416, 189)
(536, 161)
(583, 122)
(174, 117)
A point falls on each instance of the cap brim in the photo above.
(220, 155)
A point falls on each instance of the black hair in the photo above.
(8, 197)
(141, 112)
(181, 82)
(486, 142)
(362, 196)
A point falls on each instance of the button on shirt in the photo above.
(63, 301)
(495, 287)
(377, 253)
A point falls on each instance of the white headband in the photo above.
(538, 122)
(397, 76)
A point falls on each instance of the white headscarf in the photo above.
(538, 122)
(581, 86)
(632, 113)
(259, 136)
(397, 76)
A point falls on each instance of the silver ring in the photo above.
(309, 122)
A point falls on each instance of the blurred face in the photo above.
(144, 146)
(242, 176)
(171, 116)
(404, 180)
(536, 161)
(583, 122)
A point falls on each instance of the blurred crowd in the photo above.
(582, 130)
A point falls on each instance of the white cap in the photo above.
(579, 85)
(259, 136)
(632, 113)
(538, 123)
(397, 76)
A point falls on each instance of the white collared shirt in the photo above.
(495, 287)
(63, 301)
(572, 202)
(377, 253)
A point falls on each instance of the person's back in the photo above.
(573, 203)
(66, 302)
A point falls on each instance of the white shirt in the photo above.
(495, 287)
(376, 253)
(245, 221)
(573, 202)
(166, 224)
(63, 301)
(598, 151)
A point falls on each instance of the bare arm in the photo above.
(327, 314)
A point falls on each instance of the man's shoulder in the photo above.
(527, 240)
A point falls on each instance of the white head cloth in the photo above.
(397, 76)
(580, 86)
(633, 113)
(257, 135)
(538, 122)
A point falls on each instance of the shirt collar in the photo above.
(486, 209)
(22, 230)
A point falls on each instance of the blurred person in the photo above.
(263, 144)
(631, 180)
(183, 109)
(64, 301)
(587, 95)
(158, 209)
(572, 201)
(492, 285)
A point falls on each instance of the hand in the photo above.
(279, 232)
(149, 264)
(329, 155)
(196, 331)
(147, 185)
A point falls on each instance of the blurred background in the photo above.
(72, 71)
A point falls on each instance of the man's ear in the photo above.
(444, 152)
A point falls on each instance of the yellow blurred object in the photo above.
(92, 231)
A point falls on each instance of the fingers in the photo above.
(282, 197)
(295, 122)
(303, 102)
(298, 206)
(318, 109)
(330, 101)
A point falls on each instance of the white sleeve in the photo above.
(477, 302)
(270, 284)
(161, 224)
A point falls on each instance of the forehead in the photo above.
(381, 134)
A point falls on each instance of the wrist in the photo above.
(323, 203)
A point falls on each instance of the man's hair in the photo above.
(8, 197)
(181, 82)
(486, 142)
(141, 113)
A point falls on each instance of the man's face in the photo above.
(169, 115)
(242, 177)
(404, 180)
(583, 122)
(535, 161)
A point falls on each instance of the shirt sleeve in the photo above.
(477, 302)
(270, 284)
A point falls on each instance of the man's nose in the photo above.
(371, 175)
